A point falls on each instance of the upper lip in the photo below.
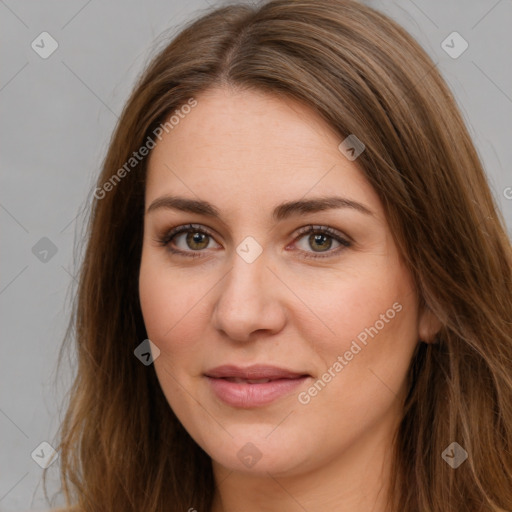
(253, 372)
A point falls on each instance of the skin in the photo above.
(246, 152)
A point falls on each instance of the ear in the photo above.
(428, 325)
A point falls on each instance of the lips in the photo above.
(252, 386)
(248, 381)
(256, 372)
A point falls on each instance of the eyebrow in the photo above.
(281, 212)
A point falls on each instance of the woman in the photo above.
(296, 292)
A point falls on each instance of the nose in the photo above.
(249, 301)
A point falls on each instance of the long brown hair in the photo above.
(121, 446)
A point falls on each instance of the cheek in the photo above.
(343, 307)
(360, 390)
(155, 295)
(370, 320)
(169, 304)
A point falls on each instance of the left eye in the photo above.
(322, 237)
(196, 239)
(319, 241)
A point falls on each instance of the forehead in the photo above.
(255, 149)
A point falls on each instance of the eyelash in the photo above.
(167, 238)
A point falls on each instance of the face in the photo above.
(285, 328)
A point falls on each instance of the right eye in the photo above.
(193, 239)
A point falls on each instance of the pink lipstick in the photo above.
(253, 386)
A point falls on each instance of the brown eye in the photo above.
(196, 240)
(186, 240)
(319, 239)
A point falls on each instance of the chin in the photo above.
(257, 455)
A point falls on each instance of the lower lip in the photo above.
(245, 395)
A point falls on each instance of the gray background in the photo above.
(57, 117)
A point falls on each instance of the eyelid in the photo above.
(335, 233)
(343, 239)
(166, 238)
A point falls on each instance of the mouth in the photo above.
(247, 381)
(253, 386)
